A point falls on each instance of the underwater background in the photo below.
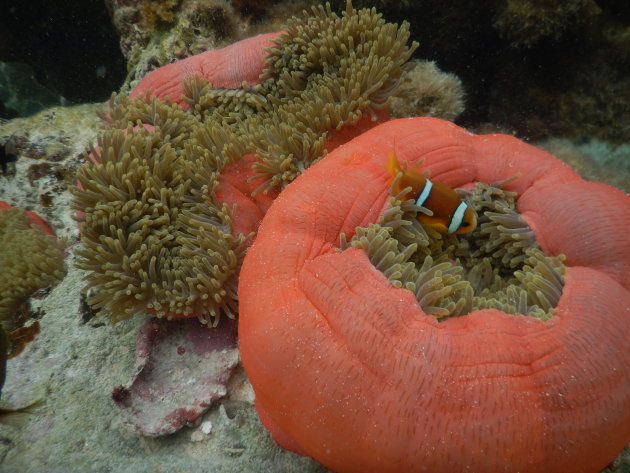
(555, 74)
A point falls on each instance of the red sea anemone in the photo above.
(33, 218)
(227, 68)
(350, 370)
(160, 232)
(31, 259)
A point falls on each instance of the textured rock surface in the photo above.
(182, 370)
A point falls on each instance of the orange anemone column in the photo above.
(349, 370)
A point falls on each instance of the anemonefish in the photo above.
(450, 213)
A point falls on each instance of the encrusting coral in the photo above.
(31, 259)
(155, 202)
(339, 339)
(157, 32)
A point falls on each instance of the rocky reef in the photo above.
(166, 191)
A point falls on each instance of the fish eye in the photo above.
(465, 224)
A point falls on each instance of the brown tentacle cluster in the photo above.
(499, 266)
(325, 72)
(154, 236)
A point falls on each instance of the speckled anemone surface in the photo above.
(168, 200)
(332, 347)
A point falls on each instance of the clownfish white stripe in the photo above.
(424, 195)
(458, 217)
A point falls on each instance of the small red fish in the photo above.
(450, 213)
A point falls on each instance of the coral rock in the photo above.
(182, 369)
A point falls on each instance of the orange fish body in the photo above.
(450, 213)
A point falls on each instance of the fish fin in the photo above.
(405, 175)
(436, 223)
(392, 165)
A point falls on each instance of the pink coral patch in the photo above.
(182, 369)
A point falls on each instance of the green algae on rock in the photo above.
(595, 160)
(154, 33)
(528, 22)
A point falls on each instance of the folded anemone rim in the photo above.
(294, 333)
